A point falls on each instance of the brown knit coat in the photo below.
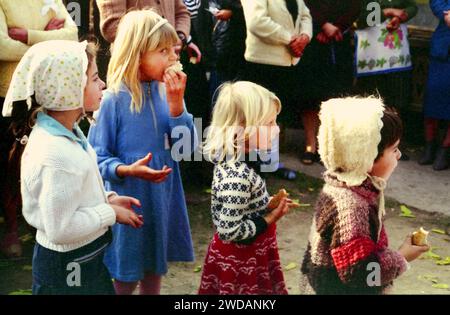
(344, 241)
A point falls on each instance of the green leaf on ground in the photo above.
(431, 278)
(438, 231)
(431, 255)
(440, 286)
(27, 268)
(25, 238)
(311, 189)
(443, 262)
(21, 292)
(406, 212)
(198, 269)
(290, 266)
(208, 191)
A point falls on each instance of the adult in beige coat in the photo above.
(277, 35)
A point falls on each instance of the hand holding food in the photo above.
(419, 237)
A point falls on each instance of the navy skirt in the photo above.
(437, 95)
(77, 272)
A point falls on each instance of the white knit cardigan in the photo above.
(62, 192)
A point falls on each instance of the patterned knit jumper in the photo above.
(343, 242)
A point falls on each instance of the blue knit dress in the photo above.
(120, 136)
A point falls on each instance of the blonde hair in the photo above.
(132, 41)
(241, 107)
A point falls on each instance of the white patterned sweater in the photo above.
(239, 201)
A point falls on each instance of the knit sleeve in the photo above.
(261, 25)
(234, 195)
(11, 50)
(64, 220)
(110, 14)
(68, 32)
(103, 138)
(356, 255)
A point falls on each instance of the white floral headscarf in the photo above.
(54, 72)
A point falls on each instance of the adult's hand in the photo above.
(393, 24)
(19, 34)
(55, 24)
(391, 12)
(298, 44)
(224, 15)
(447, 18)
(194, 51)
(330, 30)
(322, 38)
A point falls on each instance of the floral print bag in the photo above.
(379, 51)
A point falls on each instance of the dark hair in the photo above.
(23, 119)
(391, 131)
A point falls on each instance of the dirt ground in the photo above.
(424, 277)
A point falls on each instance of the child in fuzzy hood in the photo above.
(348, 247)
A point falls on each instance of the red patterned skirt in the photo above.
(232, 268)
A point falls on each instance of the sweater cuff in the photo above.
(110, 194)
(112, 171)
(107, 215)
(261, 226)
(183, 119)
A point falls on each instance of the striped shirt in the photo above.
(193, 6)
(239, 200)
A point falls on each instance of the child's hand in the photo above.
(278, 212)
(141, 170)
(410, 251)
(124, 201)
(127, 216)
(175, 87)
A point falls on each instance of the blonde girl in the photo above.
(243, 255)
(62, 190)
(133, 138)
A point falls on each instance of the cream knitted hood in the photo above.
(349, 135)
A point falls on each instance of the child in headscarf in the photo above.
(62, 189)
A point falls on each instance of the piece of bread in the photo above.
(419, 237)
(275, 201)
(177, 67)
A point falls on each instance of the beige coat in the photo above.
(112, 10)
(27, 14)
(270, 28)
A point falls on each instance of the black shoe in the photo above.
(428, 154)
(441, 162)
(308, 158)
